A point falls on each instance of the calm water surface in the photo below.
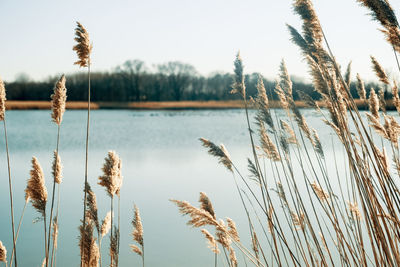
(162, 159)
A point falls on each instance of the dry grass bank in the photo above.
(172, 105)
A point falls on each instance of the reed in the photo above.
(37, 192)
(137, 234)
(3, 118)
(111, 180)
(83, 49)
(58, 99)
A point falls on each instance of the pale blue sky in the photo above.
(37, 36)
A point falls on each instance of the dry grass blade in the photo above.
(83, 47)
(58, 99)
(36, 188)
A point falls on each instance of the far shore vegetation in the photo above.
(133, 81)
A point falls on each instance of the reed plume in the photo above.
(86, 244)
(361, 88)
(233, 230)
(111, 178)
(57, 168)
(105, 225)
(58, 99)
(384, 13)
(212, 244)
(379, 71)
(206, 204)
(92, 211)
(37, 192)
(238, 85)
(373, 103)
(3, 253)
(321, 193)
(83, 48)
(347, 75)
(137, 233)
(36, 188)
(220, 152)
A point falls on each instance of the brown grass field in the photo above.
(166, 105)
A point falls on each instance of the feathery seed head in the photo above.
(83, 47)
(3, 253)
(36, 188)
(212, 244)
(378, 69)
(106, 225)
(111, 178)
(137, 227)
(57, 168)
(206, 204)
(239, 85)
(58, 99)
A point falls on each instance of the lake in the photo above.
(162, 159)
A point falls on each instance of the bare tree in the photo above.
(132, 72)
(178, 76)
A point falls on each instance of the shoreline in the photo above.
(162, 105)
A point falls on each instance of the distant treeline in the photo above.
(133, 81)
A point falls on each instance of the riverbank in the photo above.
(166, 105)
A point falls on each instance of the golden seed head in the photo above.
(83, 47)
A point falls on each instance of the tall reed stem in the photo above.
(87, 151)
(19, 227)
(45, 240)
(53, 194)
(11, 194)
(112, 215)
